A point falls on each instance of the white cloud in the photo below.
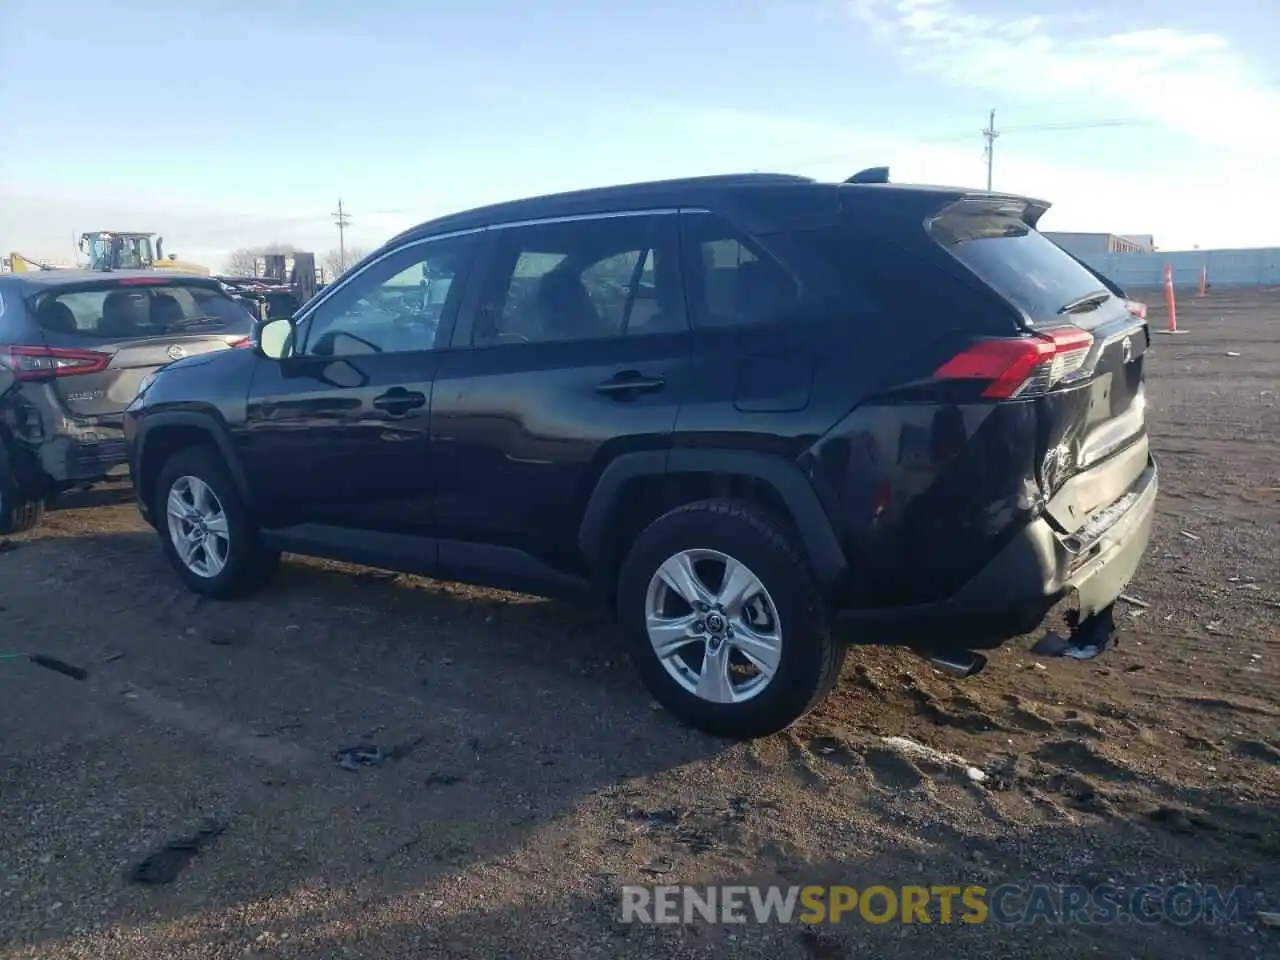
(1194, 83)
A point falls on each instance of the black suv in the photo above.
(763, 416)
(74, 346)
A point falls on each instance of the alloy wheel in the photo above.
(198, 527)
(713, 626)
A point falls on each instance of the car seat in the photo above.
(56, 317)
(165, 310)
(565, 308)
(120, 314)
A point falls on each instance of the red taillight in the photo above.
(238, 342)
(1139, 310)
(141, 282)
(41, 363)
(1026, 366)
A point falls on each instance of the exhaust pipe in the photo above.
(961, 664)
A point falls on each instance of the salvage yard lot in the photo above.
(531, 778)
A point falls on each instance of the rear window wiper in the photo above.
(1088, 302)
(188, 322)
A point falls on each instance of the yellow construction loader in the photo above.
(17, 263)
(118, 250)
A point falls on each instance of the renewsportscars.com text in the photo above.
(969, 904)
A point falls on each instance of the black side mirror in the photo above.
(274, 337)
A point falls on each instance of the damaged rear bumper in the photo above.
(1037, 570)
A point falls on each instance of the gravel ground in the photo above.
(529, 776)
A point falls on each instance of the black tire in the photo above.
(249, 564)
(810, 659)
(21, 516)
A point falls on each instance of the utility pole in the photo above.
(990, 134)
(342, 219)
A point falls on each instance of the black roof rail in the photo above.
(870, 175)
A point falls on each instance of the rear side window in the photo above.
(593, 279)
(1021, 264)
(732, 283)
(119, 312)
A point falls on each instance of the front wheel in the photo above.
(725, 622)
(205, 529)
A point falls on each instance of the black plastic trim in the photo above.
(497, 567)
(205, 422)
(820, 541)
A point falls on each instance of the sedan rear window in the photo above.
(1017, 261)
(123, 312)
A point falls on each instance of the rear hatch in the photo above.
(102, 338)
(1085, 363)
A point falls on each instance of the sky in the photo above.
(230, 124)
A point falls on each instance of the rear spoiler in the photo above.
(1027, 209)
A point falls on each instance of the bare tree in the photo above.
(333, 265)
(244, 262)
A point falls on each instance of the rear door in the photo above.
(101, 339)
(769, 353)
(576, 351)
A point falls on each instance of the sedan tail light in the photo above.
(43, 363)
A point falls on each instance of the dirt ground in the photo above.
(531, 777)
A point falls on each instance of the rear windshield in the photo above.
(120, 312)
(1021, 264)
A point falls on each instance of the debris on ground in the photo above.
(914, 748)
(163, 865)
(49, 663)
(360, 755)
(1089, 639)
(1189, 535)
(1056, 645)
(1134, 601)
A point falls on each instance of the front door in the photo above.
(576, 351)
(338, 433)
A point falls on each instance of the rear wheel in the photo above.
(725, 622)
(205, 529)
(19, 516)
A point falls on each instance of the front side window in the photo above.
(732, 282)
(581, 280)
(393, 306)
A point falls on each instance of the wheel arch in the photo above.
(164, 434)
(773, 479)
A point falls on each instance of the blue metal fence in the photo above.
(1259, 266)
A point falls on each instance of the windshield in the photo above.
(1021, 264)
(119, 252)
(125, 311)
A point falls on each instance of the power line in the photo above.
(342, 219)
(1076, 125)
